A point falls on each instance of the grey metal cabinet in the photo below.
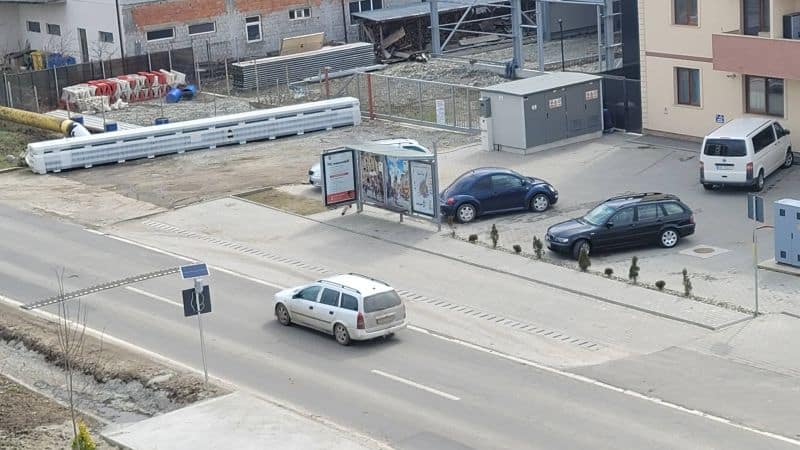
(787, 232)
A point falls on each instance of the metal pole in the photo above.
(755, 265)
(169, 57)
(10, 95)
(36, 97)
(609, 34)
(227, 79)
(436, 45)
(561, 38)
(599, 39)
(149, 62)
(198, 293)
(437, 209)
(327, 83)
(369, 97)
(389, 94)
(453, 96)
(5, 86)
(255, 69)
(197, 75)
(540, 34)
(518, 60)
(419, 98)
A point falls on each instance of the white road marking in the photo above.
(603, 385)
(415, 384)
(94, 231)
(154, 296)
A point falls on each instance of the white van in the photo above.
(743, 152)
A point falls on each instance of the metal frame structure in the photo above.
(605, 28)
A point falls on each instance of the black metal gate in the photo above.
(623, 99)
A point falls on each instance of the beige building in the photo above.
(708, 61)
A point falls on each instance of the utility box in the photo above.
(541, 112)
(787, 232)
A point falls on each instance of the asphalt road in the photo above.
(414, 391)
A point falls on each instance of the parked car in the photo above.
(315, 172)
(350, 307)
(490, 190)
(624, 221)
(743, 152)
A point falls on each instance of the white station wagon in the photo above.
(351, 307)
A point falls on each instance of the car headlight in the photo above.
(560, 240)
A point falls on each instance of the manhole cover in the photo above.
(703, 250)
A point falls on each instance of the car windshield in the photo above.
(379, 302)
(599, 215)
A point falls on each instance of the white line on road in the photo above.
(415, 384)
(154, 296)
(600, 384)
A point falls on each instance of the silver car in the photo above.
(350, 307)
(315, 173)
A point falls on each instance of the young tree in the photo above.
(494, 235)
(633, 271)
(583, 260)
(538, 247)
(687, 283)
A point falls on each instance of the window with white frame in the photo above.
(202, 28)
(160, 35)
(253, 28)
(364, 5)
(34, 27)
(302, 13)
(105, 36)
(54, 29)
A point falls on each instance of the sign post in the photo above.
(197, 301)
(198, 297)
(755, 211)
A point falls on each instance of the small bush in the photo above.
(538, 247)
(660, 285)
(494, 235)
(517, 249)
(608, 272)
(83, 441)
(687, 283)
(473, 238)
(633, 271)
(583, 260)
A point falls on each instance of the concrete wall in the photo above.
(10, 38)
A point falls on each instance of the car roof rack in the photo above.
(369, 278)
(638, 196)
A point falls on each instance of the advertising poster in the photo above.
(398, 184)
(339, 177)
(373, 181)
(423, 199)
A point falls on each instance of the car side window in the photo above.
(505, 182)
(483, 184)
(310, 293)
(778, 130)
(647, 212)
(330, 297)
(763, 139)
(672, 209)
(349, 302)
(623, 217)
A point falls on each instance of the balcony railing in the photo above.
(755, 55)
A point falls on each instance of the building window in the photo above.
(685, 12)
(764, 95)
(55, 30)
(364, 5)
(160, 35)
(105, 36)
(202, 28)
(253, 27)
(755, 15)
(302, 13)
(34, 27)
(688, 83)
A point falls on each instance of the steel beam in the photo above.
(518, 60)
(540, 33)
(436, 46)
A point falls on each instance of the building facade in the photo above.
(706, 62)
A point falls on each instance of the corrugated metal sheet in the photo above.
(416, 10)
(268, 72)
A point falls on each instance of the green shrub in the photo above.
(517, 249)
(608, 272)
(687, 283)
(583, 260)
(473, 238)
(494, 235)
(660, 285)
(83, 441)
(538, 247)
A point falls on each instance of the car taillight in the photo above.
(360, 321)
(450, 201)
(749, 171)
(691, 219)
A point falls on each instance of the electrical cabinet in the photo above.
(787, 232)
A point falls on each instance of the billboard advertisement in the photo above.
(339, 177)
(373, 180)
(398, 184)
(423, 198)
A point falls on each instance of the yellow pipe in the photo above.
(65, 126)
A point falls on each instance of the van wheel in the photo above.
(283, 314)
(341, 334)
(759, 186)
(708, 186)
(789, 159)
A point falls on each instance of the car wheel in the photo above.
(579, 245)
(466, 213)
(789, 159)
(669, 238)
(341, 334)
(282, 314)
(388, 336)
(759, 182)
(539, 203)
(708, 186)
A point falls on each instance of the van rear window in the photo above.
(379, 302)
(725, 147)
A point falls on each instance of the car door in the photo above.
(763, 154)
(508, 191)
(481, 190)
(782, 143)
(302, 304)
(648, 223)
(617, 231)
(325, 310)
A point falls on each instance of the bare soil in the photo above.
(15, 138)
(279, 199)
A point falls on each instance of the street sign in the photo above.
(194, 271)
(720, 118)
(190, 307)
(755, 208)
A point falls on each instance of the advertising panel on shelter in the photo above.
(339, 177)
(373, 181)
(398, 184)
(423, 197)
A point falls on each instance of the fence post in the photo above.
(453, 96)
(369, 97)
(36, 97)
(227, 79)
(5, 86)
(255, 70)
(469, 110)
(169, 57)
(10, 95)
(389, 94)
(103, 69)
(419, 99)
(149, 62)
(327, 83)
(197, 75)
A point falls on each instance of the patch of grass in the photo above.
(15, 138)
(288, 202)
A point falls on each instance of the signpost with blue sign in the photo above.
(755, 212)
(197, 301)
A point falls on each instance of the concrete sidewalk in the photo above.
(234, 421)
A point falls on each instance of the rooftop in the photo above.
(541, 83)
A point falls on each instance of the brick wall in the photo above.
(177, 10)
(273, 5)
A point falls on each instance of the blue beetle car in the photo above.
(491, 190)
